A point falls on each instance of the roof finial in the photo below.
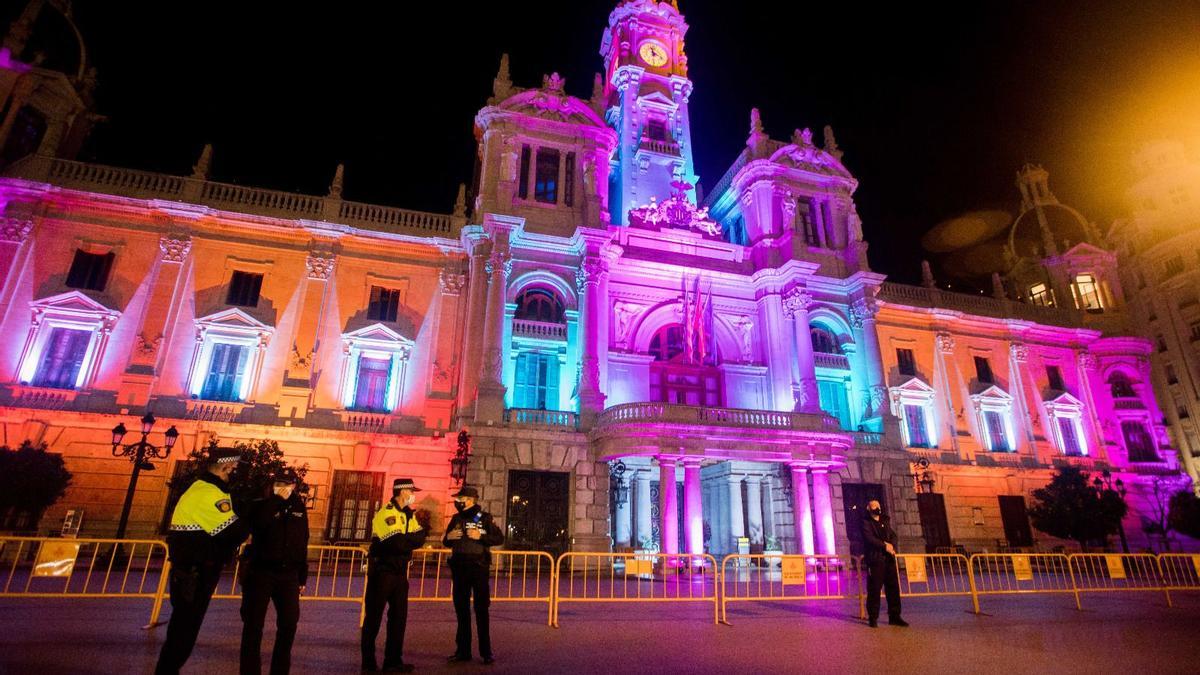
(927, 275)
(200, 169)
(335, 188)
(831, 145)
(998, 287)
(757, 137)
(460, 202)
(21, 28)
(756, 126)
(502, 85)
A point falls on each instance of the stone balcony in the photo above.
(229, 197)
(552, 420)
(981, 305)
(669, 148)
(539, 330)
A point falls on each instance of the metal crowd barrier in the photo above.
(636, 577)
(934, 575)
(1109, 572)
(517, 576)
(751, 577)
(1180, 572)
(1020, 573)
(44, 567)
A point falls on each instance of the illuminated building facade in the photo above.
(637, 369)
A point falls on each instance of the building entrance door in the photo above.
(538, 511)
(1016, 520)
(854, 503)
(934, 526)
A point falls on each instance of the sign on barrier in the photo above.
(1116, 568)
(1117, 572)
(601, 577)
(915, 566)
(746, 577)
(793, 571)
(1020, 573)
(56, 559)
(1022, 569)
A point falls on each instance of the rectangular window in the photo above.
(1195, 328)
(536, 381)
(1070, 439)
(1138, 442)
(384, 304)
(983, 370)
(905, 362)
(374, 374)
(1055, 376)
(656, 129)
(1182, 412)
(1040, 294)
(353, 501)
(89, 271)
(1172, 378)
(545, 186)
(226, 369)
(807, 210)
(523, 181)
(1161, 342)
(569, 180)
(244, 288)
(914, 420)
(1087, 292)
(833, 401)
(62, 357)
(996, 431)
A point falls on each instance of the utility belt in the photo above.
(395, 564)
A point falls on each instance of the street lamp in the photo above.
(140, 453)
(1106, 485)
(462, 457)
(924, 476)
(619, 487)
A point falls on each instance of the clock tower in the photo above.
(645, 101)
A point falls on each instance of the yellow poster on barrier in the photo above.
(634, 566)
(1196, 564)
(1021, 568)
(793, 571)
(56, 559)
(915, 567)
(1116, 566)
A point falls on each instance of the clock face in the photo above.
(653, 53)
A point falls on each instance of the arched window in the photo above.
(667, 343)
(823, 341)
(1121, 386)
(539, 304)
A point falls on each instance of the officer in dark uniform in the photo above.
(274, 569)
(395, 534)
(879, 543)
(203, 536)
(470, 535)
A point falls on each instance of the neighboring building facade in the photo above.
(635, 370)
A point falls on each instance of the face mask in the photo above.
(875, 512)
(459, 506)
(412, 499)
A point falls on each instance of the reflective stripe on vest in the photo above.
(390, 521)
(204, 507)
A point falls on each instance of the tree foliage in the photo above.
(261, 461)
(1185, 514)
(31, 479)
(1070, 507)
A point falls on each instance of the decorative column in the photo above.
(768, 508)
(472, 345)
(796, 304)
(693, 510)
(668, 505)
(1018, 355)
(489, 407)
(770, 319)
(801, 509)
(823, 507)
(15, 247)
(862, 318)
(624, 523)
(645, 514)
(943, 352)
(306, 339)
(590, 281)
(1097, 448)
(737, 523)
(754, 511)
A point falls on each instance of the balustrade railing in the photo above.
(539, 329)
(982, 305)
(835, 361)
(728, 417)
(551, 419)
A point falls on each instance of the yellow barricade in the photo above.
(1180, 572)
(517, 576)
(1020, 573)
(749, 577)
(335, 573)
(44, 567)
(1095, 572)
(636, 577)
(933, 574)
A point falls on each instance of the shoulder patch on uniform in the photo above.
(224, 506)
(390, 520)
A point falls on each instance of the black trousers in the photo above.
(881, 573)
(471, 579)
(385, 587)
(191, 591)
(259, 589)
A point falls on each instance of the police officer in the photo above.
(470, 535)
(879, 542)
(395, 534)
(203, 536)
(274, 569)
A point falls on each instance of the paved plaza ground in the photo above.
(1122, 633)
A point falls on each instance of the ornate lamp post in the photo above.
(462, 457)
(1105, 486)
(140, 453)
(619, 487)
(924, 476)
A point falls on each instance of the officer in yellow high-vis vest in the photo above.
(395, 534)
(204, 534)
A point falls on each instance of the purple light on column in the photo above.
(669, 505)
(823, 503)
(802, 511)
(693, 513)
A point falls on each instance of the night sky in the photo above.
(934, 108)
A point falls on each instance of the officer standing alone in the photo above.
(274, 570)
(203, 536)
(470, 535)
(395, 534)
(879, 542)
